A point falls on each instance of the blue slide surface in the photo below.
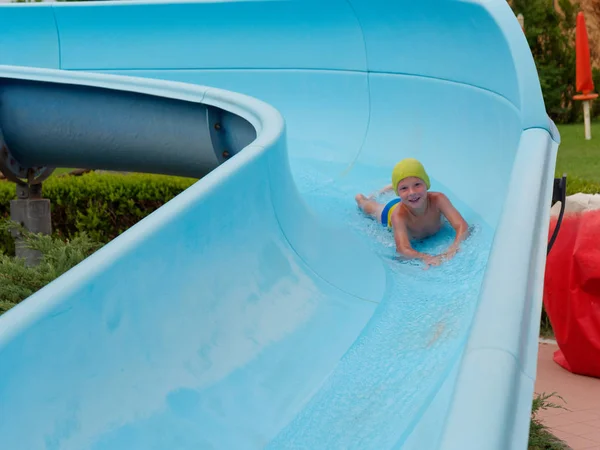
(260, 309)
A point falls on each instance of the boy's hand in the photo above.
(432, 261)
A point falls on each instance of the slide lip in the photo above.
(509, 354)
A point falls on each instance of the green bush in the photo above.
(540, 437)
(545, 325)
(18, 280)
(7, 193)
(103, 205)
(595, 112)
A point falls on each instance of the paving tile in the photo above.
(579, 429)
(573, 441)
(551, 412)
(563, 435)
(582, 402)
(594, 423)
(593, 436)
(579, 443)
(557, 421)
(581, 416)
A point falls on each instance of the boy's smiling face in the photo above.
(413, 192)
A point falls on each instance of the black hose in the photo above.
(559, 194)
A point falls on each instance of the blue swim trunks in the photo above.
(386, 214)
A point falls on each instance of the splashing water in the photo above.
(382, 384)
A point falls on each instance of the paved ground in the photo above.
(579, 427)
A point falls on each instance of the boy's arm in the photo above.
(403, 246)
(456, 220)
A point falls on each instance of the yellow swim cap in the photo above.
(409, 167)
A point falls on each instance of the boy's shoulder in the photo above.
(437, 197)
(440, 201)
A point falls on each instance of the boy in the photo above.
(417, 213)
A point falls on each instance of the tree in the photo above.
(550, 33)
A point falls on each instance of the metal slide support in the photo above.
(29, 209)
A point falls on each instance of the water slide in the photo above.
(260, 308)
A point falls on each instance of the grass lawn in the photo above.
(576, 156)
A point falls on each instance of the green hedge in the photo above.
(102, 205)
(18, 280)
(7, 193)
(105, 204)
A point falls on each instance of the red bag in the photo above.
(572, 292)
